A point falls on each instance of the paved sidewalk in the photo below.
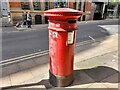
(95, 65)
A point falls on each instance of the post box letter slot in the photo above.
(71, 21)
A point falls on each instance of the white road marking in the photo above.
(83, 43)
(110, 28)
(39, 50)
(22, 59)
(25, 56)
(113, 60)
(92, 38)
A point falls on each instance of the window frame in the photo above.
(39, 5)
(56, 3)
(48, 3)
(23, 8)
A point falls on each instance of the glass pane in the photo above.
(79, 6)
(25, 5)
(47, 4)
(60, 3)
(36, 4)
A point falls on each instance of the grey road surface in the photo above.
(18, 43)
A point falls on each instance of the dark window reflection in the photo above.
(60, 3)
(25, 5)
(36, 5)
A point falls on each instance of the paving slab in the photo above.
(97, 67)
(100, 48)
(81, 80)
(39, 70)
(20, 77)
(99, 73)
(111, 81)
(26, 64)
(13, 68)
(113, 65)
(98, 85)
(33, 87)
(41, 60)
(87, 64)
(5, 81)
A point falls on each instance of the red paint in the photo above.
(61, 53)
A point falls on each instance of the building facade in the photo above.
(113, 10)
(37, 8)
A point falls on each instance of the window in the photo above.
(79, 6)
(15, 4)
(113, 9)
(47, 4)
(36, 5)
(60, 3)
(99, 7)
(25, 5)
(119, 10)
(74, 5)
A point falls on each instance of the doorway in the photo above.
(38, 19)
(46, 20)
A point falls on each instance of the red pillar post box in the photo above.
(62, 35)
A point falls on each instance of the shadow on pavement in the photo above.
(97, 74)
(92, 75)
(81, 77)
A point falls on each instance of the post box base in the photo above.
(60, 81)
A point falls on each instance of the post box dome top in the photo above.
(62, 13)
